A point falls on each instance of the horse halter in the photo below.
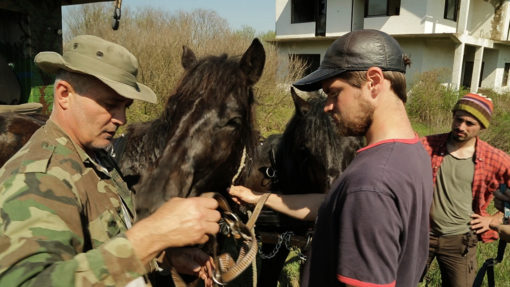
(241, 166)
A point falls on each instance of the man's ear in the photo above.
(63, 91)
(375, 79)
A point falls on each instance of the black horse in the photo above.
(203, 136)
(198, 142)
(306, 158)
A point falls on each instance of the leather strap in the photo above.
(256, 211)
(247, 253)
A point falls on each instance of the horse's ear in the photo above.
(252, 62)
(302, 106)
(188, 59)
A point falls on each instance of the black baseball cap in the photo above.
(356, 51)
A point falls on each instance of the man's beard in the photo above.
(360, 125)
(464, 137)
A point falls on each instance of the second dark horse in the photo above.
(306, 158)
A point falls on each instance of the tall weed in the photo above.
(430, 102)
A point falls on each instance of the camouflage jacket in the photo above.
(63, 217)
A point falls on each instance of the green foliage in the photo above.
(430, 103)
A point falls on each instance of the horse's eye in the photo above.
(235, 122)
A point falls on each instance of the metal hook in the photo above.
(218, 282)
(116, 14)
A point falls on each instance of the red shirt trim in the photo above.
(405, 141)
(354, 282)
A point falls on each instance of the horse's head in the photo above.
(211, 123)
(311, 153)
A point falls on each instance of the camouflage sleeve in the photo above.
(42, 239)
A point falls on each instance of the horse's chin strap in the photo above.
(228, 268)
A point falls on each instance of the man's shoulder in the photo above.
(38, 155)
(484, 149)
(435, 138)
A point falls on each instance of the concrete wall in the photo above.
(481, 14)
(492, 74)
(338, 17)
(410, 20)
(428, 55)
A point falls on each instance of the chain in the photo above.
(287, 237)
(275, 249)
(284, 238)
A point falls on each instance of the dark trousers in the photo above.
(456, 255)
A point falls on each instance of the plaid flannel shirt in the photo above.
(492, 168)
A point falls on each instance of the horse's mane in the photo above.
(207, 83)
(311, 151)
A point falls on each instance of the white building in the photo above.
(466, 38)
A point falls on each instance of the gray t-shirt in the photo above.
(452, 202)
(373, 226)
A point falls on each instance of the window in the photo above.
(468, 74)
(320, 23)
(450, 9)
(382, 7)
(302, 11)
(505, 74)
(312, 61)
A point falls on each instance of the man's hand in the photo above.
(500, 199)
(192, 261)
(179, 222)
(503, 231)
(241, 194)
(482, 223)
(499, 202)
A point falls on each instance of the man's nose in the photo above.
(119, 117)
(328, 107)
(461, 126)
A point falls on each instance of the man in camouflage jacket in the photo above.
(65, 212)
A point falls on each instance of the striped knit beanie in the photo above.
(479, 106)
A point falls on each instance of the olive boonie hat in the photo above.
(111, 63)
(356, 51)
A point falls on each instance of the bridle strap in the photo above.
(256, 211)
(247, 253)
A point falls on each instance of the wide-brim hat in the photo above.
(356, 51)
(110, 63)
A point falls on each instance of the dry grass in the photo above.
(156, 39)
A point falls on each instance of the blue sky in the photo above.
(258, 14)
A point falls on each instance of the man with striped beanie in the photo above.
(466, 172)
